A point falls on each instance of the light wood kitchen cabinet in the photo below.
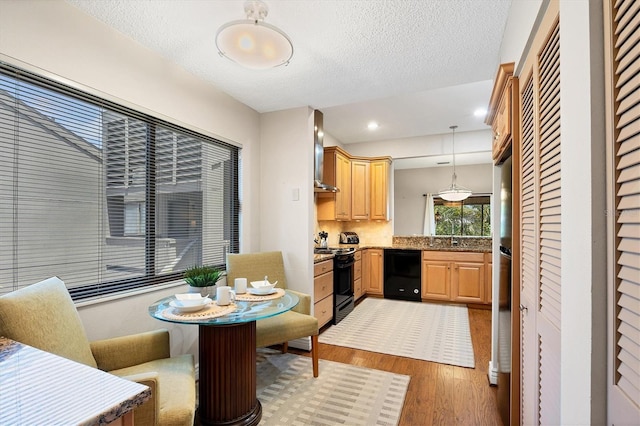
(363, 184)
(503, 112)
(323, 291)
(372, 271)
(436, 280)
(467, 282)
(453, 276)
(358, 291)
(360, 190)
(380, 189)
(337, 172)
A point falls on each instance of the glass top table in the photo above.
(227, 349)
(245, 311)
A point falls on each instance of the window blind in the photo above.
(105, 197)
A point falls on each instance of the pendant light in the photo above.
(251, 42)
(454, 192)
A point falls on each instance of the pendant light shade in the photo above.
(251, 42)
(454, 192)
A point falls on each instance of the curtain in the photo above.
(429, 217)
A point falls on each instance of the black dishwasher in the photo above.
(402, 274)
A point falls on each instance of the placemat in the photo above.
(248, 297)
(211, 311)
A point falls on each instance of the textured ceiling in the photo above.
(414, 66)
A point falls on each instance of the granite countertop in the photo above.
(317, 258)
(42, 388)
(465, 244)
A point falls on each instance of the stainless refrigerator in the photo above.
(504, 300)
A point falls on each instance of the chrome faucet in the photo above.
(453, 242)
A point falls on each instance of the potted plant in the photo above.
(200, 278)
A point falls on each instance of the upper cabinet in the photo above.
(380, 170)
(363, 185)
(502, 113)
(337, 172)
(360, 190)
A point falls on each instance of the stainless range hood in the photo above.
(318, 134)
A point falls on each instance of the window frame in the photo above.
(482, 200)
(230, 227)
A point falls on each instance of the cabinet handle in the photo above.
(524, 308)
(497, 135)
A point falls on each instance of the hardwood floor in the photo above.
(438, 394)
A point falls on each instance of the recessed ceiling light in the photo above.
(480, 112)
(372, 125)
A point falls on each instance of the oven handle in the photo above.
(345, 264)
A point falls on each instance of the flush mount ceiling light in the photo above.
(253, 43)
(454, 192)
(480, 112)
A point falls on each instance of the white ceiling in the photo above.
(416, 67)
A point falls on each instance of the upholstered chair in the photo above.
(43, 315)
(280, 329)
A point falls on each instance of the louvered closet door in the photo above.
(623, 22)
(529, 279)
(540, 226)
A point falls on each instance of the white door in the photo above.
(622, 54)
(540, 196)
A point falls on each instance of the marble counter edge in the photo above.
(10, 348)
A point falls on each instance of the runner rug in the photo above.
(427, 331)
(342, 394)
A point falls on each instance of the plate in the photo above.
(178, 306)
(257, 292)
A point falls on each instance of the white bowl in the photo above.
(262, 286)
(190, 299)
(190, 305)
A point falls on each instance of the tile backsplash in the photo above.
(369, 232)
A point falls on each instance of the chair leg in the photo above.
(314, 354)
(285, 347)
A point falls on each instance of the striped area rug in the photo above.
(427, 331)
(342, 394)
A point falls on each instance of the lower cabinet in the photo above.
(436, 280)
(453, 276)
(358, 290)
(372, 271)
(467, 282)
(323, 291)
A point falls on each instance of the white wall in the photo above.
(286, 190)
(54, 39)
(421, 146)
(583, 335)
(411, 184)
(522, 15)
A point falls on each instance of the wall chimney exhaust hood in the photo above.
(318, 135)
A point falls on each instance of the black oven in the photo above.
(343, 284)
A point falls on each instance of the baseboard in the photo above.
(302, 343)
(493, 374)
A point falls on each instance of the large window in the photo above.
(104, 197)
(471, 217)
